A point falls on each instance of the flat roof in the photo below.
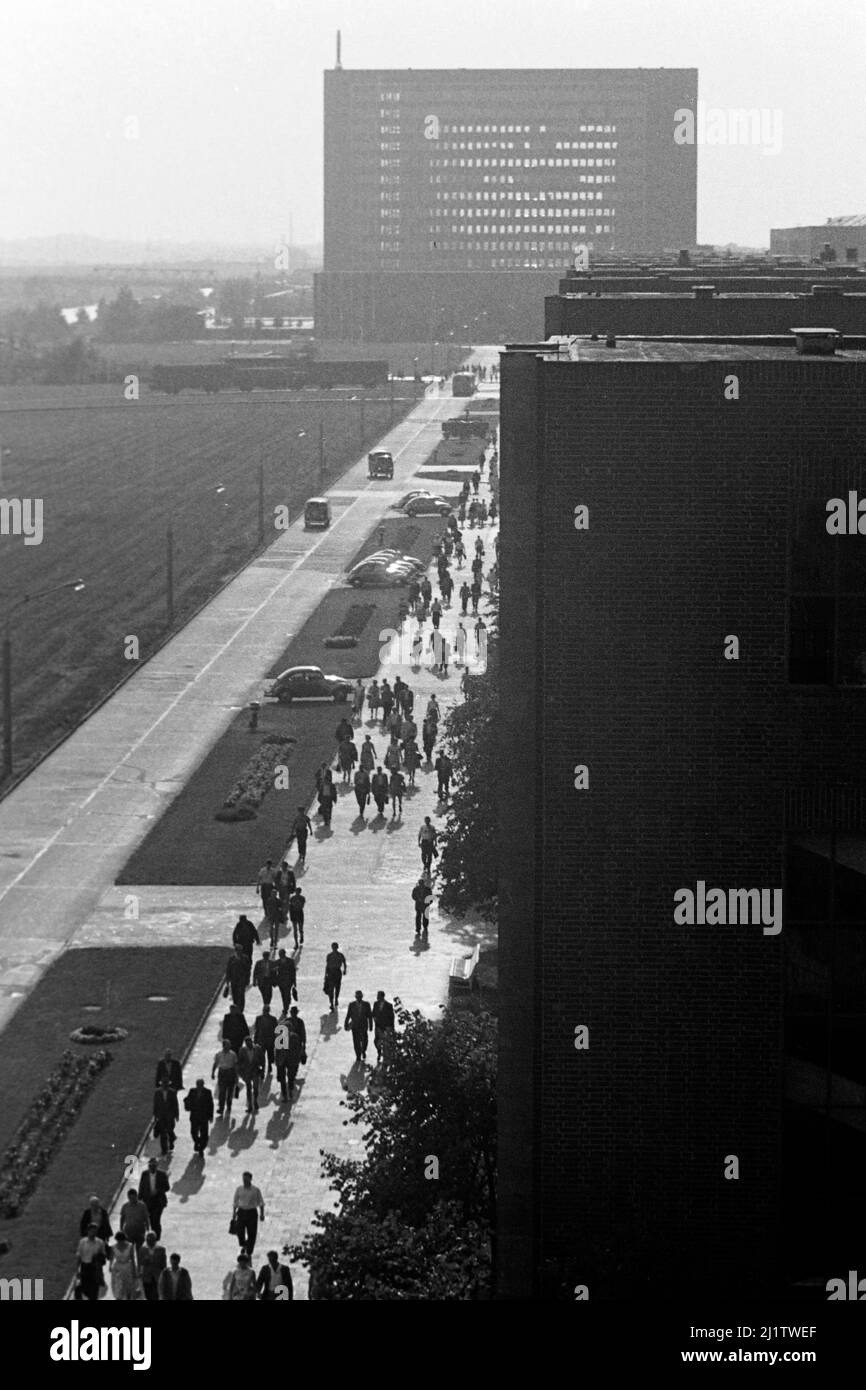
(720, 294)
(678, 349)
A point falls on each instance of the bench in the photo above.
(462, 973)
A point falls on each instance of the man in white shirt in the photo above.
(249, 1205)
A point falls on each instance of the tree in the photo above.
(233, 300)
(468, 856)
(119, 320)
(415, 1215)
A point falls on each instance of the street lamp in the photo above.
(76, 585)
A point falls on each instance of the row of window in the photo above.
(580, 230)
(389, 130)
(520, 129)
(509, 145)
(537, 199)
(520, 163)
(389, 96)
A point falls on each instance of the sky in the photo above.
(201, 120)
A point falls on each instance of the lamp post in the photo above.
(76, 585)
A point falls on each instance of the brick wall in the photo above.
(689, 757)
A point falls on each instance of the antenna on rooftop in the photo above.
(338, 63)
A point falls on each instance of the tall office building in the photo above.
(489, 171)
(682, 955)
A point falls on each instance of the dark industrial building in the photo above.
(844, 238)
(683, 655)
(488, 175)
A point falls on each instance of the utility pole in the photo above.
(169, 575)
(391, 404)
(363, 431)
(322, 447)
(261, 503)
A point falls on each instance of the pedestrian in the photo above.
(291, 1051)
(477, 569)
(493, 510)
(412, 759)
(297, 903)
(429, 732)
(460, 640)
(358, 694)
(327, 797)
(383, 1023)
(96, 1215)
(285, 886)
(413, 594)
(476, 596)
(234, 1028)
(482, 516)
(398, 695)
(134, 1219)
(344, 730)
(335, 969)
(476, 479)
(426, 589)
(250, 1069)
(393, 759)
(433, 711)
(92, 1255)
(169, 1068)
(481, 640)
(359, 1021)
(427, 837)
(151, 1262)
(198, 1103)
(395, 722)
(479, 551)
(417, 647)
(362, 789)
(249, 1209)
(265, 881)
(286, 973)
(274, 1283)
(239, 1285)
(422, 898)
(473, 513)
(387, 697)
(347, 756)
(153, 1189)
(165, 1116)
(264, 1032)
(448, 543)
(263, 977)
(444, 771)
(379, 787)
(302, 826)
(446, 587)
(461, 511)
(373, 699)
(225, 1069)
(465, 595)
(245, 934)
(459, 551)
(436, 613)
(237, 977)
(175, 1285)
(444, 656)
(396, 790)
(369, 756)
(124, 1270)
(408, 730)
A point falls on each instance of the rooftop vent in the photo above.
(821, 342)
(610, 340)
(704, 291)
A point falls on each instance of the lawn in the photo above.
(117, 984)
(112, 475)
(186, 845)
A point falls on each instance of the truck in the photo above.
(463, 384)
(380, 464)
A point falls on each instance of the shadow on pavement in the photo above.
(192, 1179)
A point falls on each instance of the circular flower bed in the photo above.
(97, 1033)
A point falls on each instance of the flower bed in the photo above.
(51, 1114)
(257, 779)
(98, 1033)
(355, 619)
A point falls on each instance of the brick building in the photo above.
(707, 516)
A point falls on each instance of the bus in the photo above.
(463, 384)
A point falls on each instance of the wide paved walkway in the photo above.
(358, 883)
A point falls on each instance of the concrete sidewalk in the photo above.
(358, 881)
(72, 824)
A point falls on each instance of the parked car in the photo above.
(309, 683)
(427, 506)
(419, 492)
(384, 570)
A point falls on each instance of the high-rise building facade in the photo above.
(494, 170)
(683, 656)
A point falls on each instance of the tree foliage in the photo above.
(415, 1215)
(468, 854)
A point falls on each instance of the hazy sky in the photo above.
(202, 119)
